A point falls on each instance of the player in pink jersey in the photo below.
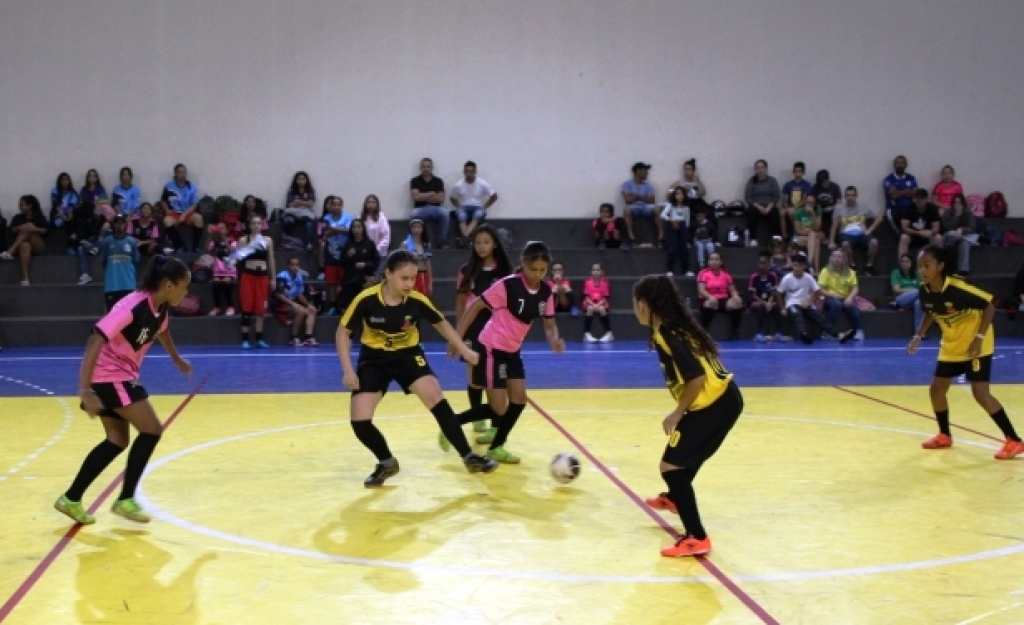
(109, 385)
(515, 302)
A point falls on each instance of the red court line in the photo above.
(716, 572)
(33, 577)
(914, 412)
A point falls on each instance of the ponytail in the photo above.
(164, 268)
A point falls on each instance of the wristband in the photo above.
(917, 337)
(979, 336)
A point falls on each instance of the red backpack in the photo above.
(995, 205)
(976, 204)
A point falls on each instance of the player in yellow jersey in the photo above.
(387, 315)
(708, 403)
(964, 314)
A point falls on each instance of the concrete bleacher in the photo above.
(55, 310)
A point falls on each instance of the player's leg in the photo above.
(141, 415)
(70, 503)
(937, 391)
(361, 408)
(516, 394)
(978, 374)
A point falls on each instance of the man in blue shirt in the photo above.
(639, 197)
(899, 189)
(119, 253)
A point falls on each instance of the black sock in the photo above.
(506, 422)
(476, 413)
(942, 416)
(259, 336)
(98, 459)
(1004, 424)
(138, 458)
(197, 238)
(680, 490)
(588, 322)
(606, 321)
(372, 439)
(476, 396)
(450, 426)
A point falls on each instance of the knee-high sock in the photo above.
(680, 490)
(448, 421)
(476, 396)
(942, 417)
(476, 413)
(138, 458)
(372, 439)
(98, 459)
(1004, 424)
(506, 422)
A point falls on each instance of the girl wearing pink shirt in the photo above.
(718, 294)
(947, 188)
(109, 385)
(596, 292)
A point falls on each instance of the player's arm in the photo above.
(986, 320)
(343, 342)
(468, 316)
(271, 263)
(90, 402)
(551, 334)
(454, 339)
(460, 305)
(172, 350)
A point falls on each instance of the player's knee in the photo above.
(118, 438)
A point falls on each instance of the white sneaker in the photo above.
(753, 243)
(669, 274)
(589, 338)
(689, 274)
(84, 279)
(608, 337)
(859, 336)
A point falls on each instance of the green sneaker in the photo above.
(130, 509)
(479, 426)
(487, 437)
(74, 510)
(503, 456)
(442, 442)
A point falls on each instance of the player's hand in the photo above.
(453, 351)
(913, 345)
(975, 349)
(670, 423)
(350, 381)
(471, 357)
(558, 346)
(184, 366)
(90, 403)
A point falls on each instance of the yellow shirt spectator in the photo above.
(842, 284)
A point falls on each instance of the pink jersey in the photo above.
(716, 285)
(514, 307)
(944, 192)
(596, 292)
(130, 329)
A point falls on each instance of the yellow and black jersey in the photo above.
(680, 364)
(389, 328)
(957, 308)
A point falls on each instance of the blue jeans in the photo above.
(834, 306)
(676, 248)
(704, 250)
(911, 301)
(466, 214)
(437, 214)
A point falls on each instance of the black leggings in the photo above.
(223, 294)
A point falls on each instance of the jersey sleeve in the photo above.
(689, 367)
(115, 321)
(353, 317)
(549, 305)
(496, 296)
(427, 309)
(971, 297)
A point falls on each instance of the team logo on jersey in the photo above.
(408, 324)
(540, 308)
(502, 371)
(377, 319)
(143, 335)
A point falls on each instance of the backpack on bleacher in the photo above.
(995, 205)
(976, 204)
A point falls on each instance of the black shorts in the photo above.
(701, 432)
(977, 370)
(118, 395)
(377, 369)
(496, 368)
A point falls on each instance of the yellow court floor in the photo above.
(822, 506)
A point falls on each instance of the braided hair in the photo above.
(665, 302)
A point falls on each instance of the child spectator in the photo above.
(64, 203)
(378, 229)
(119, 252)
(299, 209)
(608, 228)
(596, 294)
(677, 215)
(223, 275)
(291, 297)
(946, 189)
(960, 230)
(146, 230)
(800, 292)
(561, 288)
(794, 193)
(807, 228)
(359, 260)
(29, 230)
(94, 193)
(762, 197)
(704, 236)
(839, 285)
(781, 263)
(828, 194)
(418, 244)
(171, 239)
(763, 286)
(718, 294)
(125, 197)
(251, 205)
(334, 238)
(906, 284)
(256, 270)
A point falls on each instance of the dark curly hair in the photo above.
(665, 302)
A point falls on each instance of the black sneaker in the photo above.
(380, 474)
(846, 337)
(870, 271)
(806, 338)
(475, 463)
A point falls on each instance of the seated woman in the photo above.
(608, 229)
(378, 229)
(64, 203)
(906, 283)
(182, 198)
(807, 229)
(146, 230)
(251, 205)
(960, 230)
(29, 229)
(718, 295)
(94, 193)
(299, 211)
(946, 189)
(290, 297)
(839, 285)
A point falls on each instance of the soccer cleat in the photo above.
(475, 463)
(1010, 449)
(479, 426)
(688, 546)
(381, 473)
(487, 437)
(443, 442)
(939, 441)
(503, 455)
(662, 502)
(130, 509)
(73, 510)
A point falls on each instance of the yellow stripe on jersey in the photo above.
(957, 309)
(680, 363)
(389, 328)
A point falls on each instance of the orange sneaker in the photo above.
(1010, 449)
(688, 546)
(939, 441)
(662, 502)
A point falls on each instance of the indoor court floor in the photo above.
(822, 505)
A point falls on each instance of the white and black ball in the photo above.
(565, 468)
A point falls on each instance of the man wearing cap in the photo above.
(639, 197)
(118, 254)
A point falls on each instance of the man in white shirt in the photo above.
(471, 197)
(801, 292)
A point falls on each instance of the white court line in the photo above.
(988, 614)
(68, 416)
(167, 517)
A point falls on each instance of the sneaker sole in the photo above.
(692, 554)
(58, 508)
(133, 519)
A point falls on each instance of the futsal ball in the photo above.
(565, 467)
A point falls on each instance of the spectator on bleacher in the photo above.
(360, 260)
(561, 289)
(597, 302)
(428, 200)
(717, 294)
(639, 197)
(695, 191)
(171, 238)
(920, 224)
(64, 203)
(704, 236)
(899, 188)
(780, 262)
(960, 230)
(29, 230)
(336, 226)
(827, 194)
(119, 253)
(608, 229)
(762, 197)
(471, 197)
(146, 230)
(792, 251)
(852, 227)
(290, 297)
(793, 194)
(298, 209)
(126, 197)
(94, 192)
(677, 215)
(251, 206)
(256, 271)
(800, 293)
(223, 275)
(839, 286)
(807, 228)
(946, 189)
(906, 284)
(418, 243)
(182, 199)
(378, 229)
(763, 286)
